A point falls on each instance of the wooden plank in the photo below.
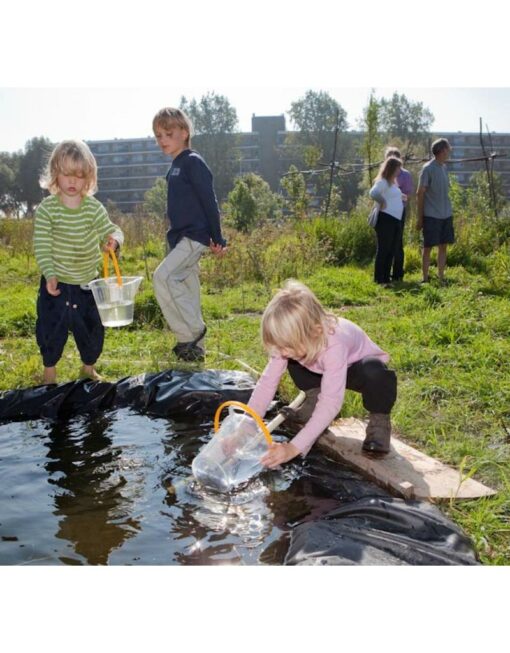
(404, 470)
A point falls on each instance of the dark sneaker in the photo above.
(181, 347)
(378, 434)
(191, 354)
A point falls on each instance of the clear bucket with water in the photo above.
(232, 456)
(115, 302)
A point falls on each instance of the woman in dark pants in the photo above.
(405, 183)
(388, 195)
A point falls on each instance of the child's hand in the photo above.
(111, 243)
(217, 250)
(279, 453)
(404, 197)
(51, 286)
(247, 429)
(230, 445)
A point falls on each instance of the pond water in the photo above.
(116, 488)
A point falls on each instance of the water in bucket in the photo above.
(232, 456)
(115, 302)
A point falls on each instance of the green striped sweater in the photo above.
(68, 242)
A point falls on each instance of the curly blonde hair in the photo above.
(70, 157)
(295, 319)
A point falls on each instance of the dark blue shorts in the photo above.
(437, 231)
(73, 310)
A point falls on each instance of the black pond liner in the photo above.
(312, 512)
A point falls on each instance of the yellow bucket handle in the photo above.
(250, 411)
(106, 254)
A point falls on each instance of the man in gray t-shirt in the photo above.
(435, 209)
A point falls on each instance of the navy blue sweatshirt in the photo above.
(192, 207)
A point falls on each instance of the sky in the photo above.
(105, 113)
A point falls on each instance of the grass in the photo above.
(449, 346)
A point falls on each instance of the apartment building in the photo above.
(129, 167)
(466, 145)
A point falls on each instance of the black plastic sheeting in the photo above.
(177, 394)
(380, 531)
(372, 530)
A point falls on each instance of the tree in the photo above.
(317, 115)
(251, 203)
(33, 160)
(9, 192)
(155, 199)
(401, 118)
(372, 145)
(214, 123)
(297, 201)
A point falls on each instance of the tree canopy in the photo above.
(402, 118)
(214, 123)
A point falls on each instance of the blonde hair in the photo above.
(295, 319)
(70, 157)
(388, 168)
(168, 117)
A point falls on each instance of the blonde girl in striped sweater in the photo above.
(71, 227)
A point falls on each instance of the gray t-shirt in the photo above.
(434, 177)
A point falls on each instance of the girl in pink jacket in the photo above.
(324, 355)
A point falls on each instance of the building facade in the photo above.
(466, 145)
(128, 168)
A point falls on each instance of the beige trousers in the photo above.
(177, 289)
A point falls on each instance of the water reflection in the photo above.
(250, 525)
(93, 505)
(122, 493)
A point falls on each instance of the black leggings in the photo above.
(389, 233)
(369, 376)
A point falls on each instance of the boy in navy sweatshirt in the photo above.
(194, 216)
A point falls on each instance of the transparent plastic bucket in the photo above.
(232, 456)
(115, 302)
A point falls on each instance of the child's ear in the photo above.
(319, 329)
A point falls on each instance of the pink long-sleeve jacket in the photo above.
(346, 345)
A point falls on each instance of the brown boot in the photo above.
(378, 434)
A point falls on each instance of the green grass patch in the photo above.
(449, 344)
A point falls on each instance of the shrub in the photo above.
(348, 239)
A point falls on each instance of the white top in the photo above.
(391, 194)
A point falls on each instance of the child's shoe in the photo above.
(378, 434)
(191, 354)
(190, 350)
